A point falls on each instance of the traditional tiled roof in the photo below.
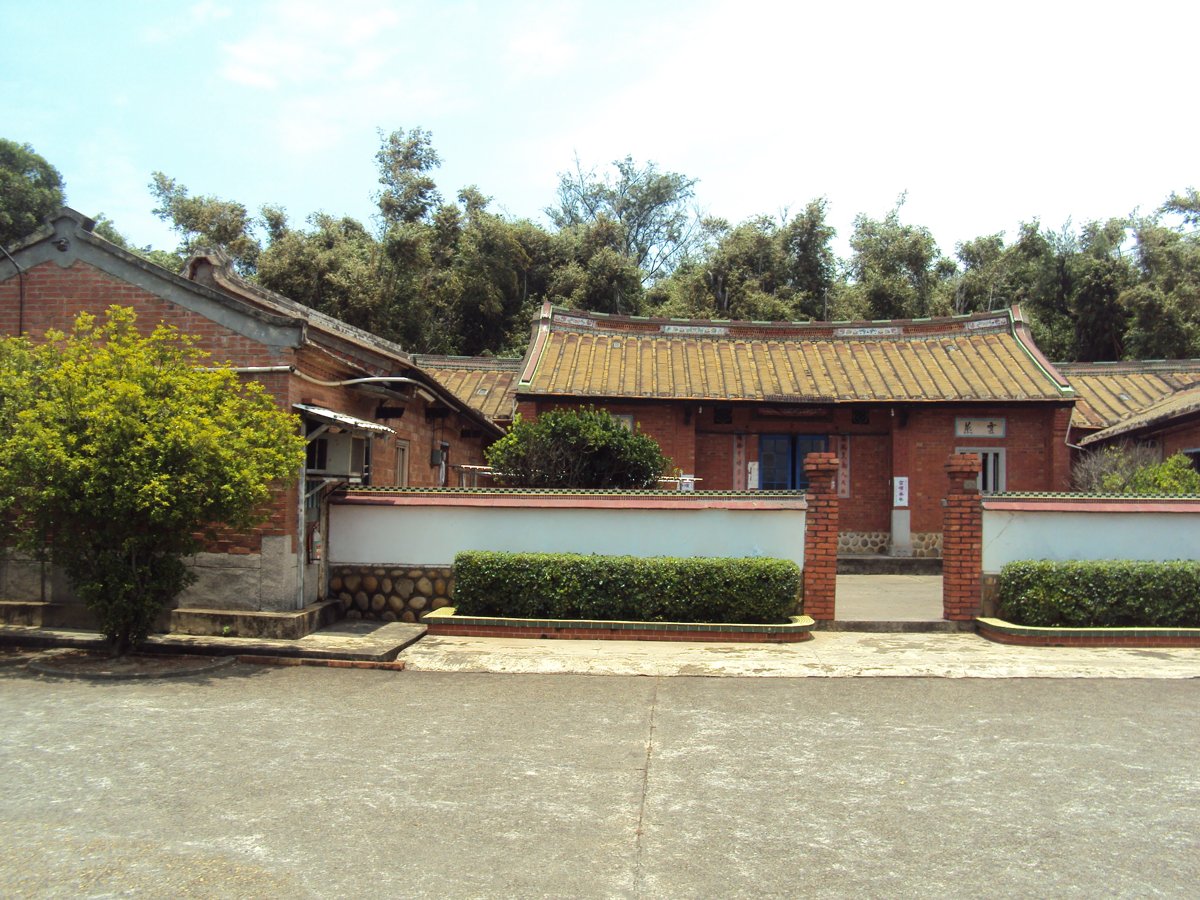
(1182, 405)
(962, 358)
(487, 384)
(1108, 392)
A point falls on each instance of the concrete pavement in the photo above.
(267, 782)
(828, 654)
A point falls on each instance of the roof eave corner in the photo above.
(537, 343)
(1024, 335)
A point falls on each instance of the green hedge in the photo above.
(651, 589)
(1104, 593)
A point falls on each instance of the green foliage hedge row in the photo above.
(1104, 593)
(650, 589)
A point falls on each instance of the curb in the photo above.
(445, 623)
(1003, 632)
(393, 666)
(203, 666)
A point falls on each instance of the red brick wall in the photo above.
(1036, 457)
(915, 441)
(962, 539)
(54, 296)
(868, 508)
(1186, 438)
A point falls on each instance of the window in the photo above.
(991, 476)
(626, 420)
(781, 460)
(444, 464)
(1193, 453)
(317, 455)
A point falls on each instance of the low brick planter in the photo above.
(1035, 636)
(445, 622)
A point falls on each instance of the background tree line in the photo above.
(441, 275)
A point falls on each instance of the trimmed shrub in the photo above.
(646, 589)
(575, 448)
(1104, 593)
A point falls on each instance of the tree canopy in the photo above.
(576, 448)
(30, 190)
(443, 272)
(118, 450)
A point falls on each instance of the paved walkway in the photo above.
(889, 598)
(828, 654)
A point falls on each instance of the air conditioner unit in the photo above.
(338, 456)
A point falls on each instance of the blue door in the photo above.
(781, 460)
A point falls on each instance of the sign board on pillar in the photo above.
(900, 491)
(752, 475)
(840, 444)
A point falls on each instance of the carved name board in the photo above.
(986, 428)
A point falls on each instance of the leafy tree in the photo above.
(651, 209)
(759, 269)
(1174, 476)
(332, 267)
(30, 191)
(207, 223)
(809, 261)
(117, 450)
(409, 192)
(576, 448)
(1134, 469)
(985, 280)
(896, 269)
(590, 269)
(1110, 468)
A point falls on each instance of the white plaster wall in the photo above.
(1011, 535)
(434, 535)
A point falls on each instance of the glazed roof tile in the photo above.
(1107, 393)
(1184, 404)
(981, 357)
(487, 384)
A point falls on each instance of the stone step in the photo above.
(877, 564)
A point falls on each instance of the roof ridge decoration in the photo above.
(1129, 366)
(227, 279)
(565, 319)
(477, 363)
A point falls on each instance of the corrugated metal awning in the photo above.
(340, 420)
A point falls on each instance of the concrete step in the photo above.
(877, 564)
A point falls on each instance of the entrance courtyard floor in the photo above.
(889, 598)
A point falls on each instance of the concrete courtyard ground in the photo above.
(264, 782)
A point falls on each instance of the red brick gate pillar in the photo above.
(821, 536)
(962, 539)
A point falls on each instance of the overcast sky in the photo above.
(986, 114)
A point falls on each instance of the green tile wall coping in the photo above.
(447, 613)
(1052, 631)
